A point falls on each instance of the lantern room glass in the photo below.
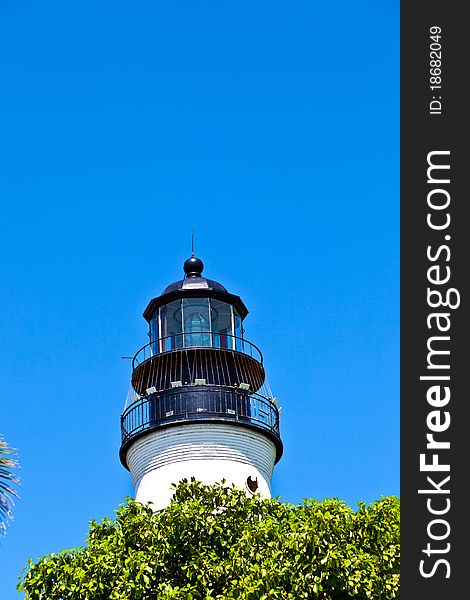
(170, 327)
(196, 327)
(196, 322)
(221, 324)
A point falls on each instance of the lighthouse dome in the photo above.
(194, 285)
(193, 279)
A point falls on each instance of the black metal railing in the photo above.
(199, 339)
(199, 403)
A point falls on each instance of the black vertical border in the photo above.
(420, 133)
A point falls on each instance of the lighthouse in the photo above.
(200, 405)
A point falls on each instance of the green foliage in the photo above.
(214, 542)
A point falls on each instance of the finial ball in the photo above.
(193, 267)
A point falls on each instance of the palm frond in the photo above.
(8, 482)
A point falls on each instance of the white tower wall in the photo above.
(209, 452)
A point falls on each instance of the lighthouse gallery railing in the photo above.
(161, 409)
(199, 339)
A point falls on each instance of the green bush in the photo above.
(214, 542)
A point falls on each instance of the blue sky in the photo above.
(271, 128)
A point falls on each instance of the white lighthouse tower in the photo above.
(201, 406)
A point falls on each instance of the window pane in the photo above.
(154, 335)
(221, 317)
(170, 315)
(196, 322)
(238, 331)
(154, 329)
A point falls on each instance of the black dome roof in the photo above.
(194, 285)
(193, 279)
